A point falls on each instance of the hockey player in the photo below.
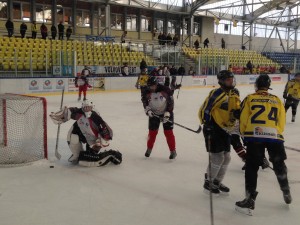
(89, 129)
(292, 95)
(158, 104)
(173, 85)
(262, 122)
(142, 81)
(82, 83)
(218, 116)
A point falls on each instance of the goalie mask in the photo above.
(87, 108)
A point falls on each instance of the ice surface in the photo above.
(142, 191)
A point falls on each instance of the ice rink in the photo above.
(140, 191)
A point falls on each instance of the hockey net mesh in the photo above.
(23, 129)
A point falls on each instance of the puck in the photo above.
(51, 166)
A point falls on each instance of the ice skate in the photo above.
(247, 205)
(293, 118)
(79, 98)
(148, 152)
(210, 188)
(173, 155)
(287, 196)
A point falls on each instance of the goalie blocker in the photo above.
(89, 130)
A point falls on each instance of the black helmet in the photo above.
(263, 82)
(152, 81)
(222, 76)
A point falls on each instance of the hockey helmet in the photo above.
(222, 76)
(152, 81)
(87, 108)
(263, 82)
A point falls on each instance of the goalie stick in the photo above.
(195, 131)
(57, 155)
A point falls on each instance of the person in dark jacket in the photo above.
(23, 29)
(9, 27)
(53, 32)
(143, 65)
(44, 31)
(69, 32)
(61, 31)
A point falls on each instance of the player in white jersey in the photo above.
(158, 104)
(89, 129)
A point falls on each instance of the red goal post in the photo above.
(23, 129)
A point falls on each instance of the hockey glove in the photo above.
(60, 116)
(166, 117)
(207, 129)
(149, 112)
(177, 86)
(265, 164)
(241, 152)
(285, 95)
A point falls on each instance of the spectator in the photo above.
(143, 65)
(159, 38)
(169, 39)
(9, 27)
(125, 70)
(206, 42)
(230, 68)
(44, 31)
(283, 69)
(196, 44)
(69, 32)
(181, 70)
(163, 39)
(23, 29)
(173, 71)
(154, 72)
(123, 37)
(258, 69)
(53, 32)
(222, 43)
(175, 40)
(33, 30)
(61, 31)
(191, 71)
(250, 66)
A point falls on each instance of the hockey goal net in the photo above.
(23, 129)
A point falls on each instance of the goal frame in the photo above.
(5, 126)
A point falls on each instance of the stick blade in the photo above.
(57, 155)
(244, 211)
(199, 130)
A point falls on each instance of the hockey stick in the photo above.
(179, 88)
(195, 131)
(293, 149)
(57, 155)
(210, 181)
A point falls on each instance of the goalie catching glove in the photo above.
(61, 116)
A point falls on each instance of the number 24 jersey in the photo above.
(262, 118)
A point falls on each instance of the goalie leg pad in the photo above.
(75, 147)
(91, 159)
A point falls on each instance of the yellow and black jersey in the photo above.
(292, 88)
(262, 118)
(220, 105)
(143, 78)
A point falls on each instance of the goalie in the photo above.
(89, 129)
